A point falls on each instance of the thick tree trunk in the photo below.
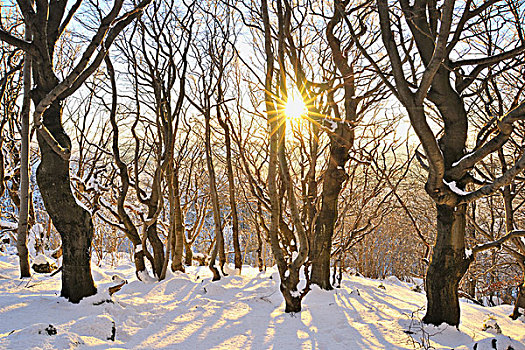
(157, 245)
(447, 266)
(71, 220)
(334, 179)
(292, 298)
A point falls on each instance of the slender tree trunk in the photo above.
(219, 238)
(131, 230)
(188, 254)
(259, 239)
(71, 220)
(21, 242)
(341, 141)
(509, 224)
(179, 239)
(447, 266)
(233, 203)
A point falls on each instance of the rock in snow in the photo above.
(42, 264)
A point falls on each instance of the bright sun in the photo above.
(295, 107)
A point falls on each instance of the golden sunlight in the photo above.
(295, 107)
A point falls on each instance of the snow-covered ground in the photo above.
(188, 311)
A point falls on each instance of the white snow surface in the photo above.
(454, 188)
(188, 311)
(8, 224)
(41, 259)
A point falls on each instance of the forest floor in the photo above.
(188, 311)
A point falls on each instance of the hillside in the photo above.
(187, 311)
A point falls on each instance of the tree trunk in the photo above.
(520, 301)
(233, 204)
(219, 238)
(188, 257)
(334, 179)
(292, 298)
(130, 231)
(179, 239)
(447, 266)
(156, 244)
(71, 220)
(21, 242)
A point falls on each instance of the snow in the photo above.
(468, 253)
(332, 124)
(8, 224)
(454, 188)
(188, 311)
(146, 277)
(462, 159)
(41, 259)
(37, 229)
(138, 248)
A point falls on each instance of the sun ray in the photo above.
(295, 107)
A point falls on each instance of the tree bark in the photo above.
(71, 220)
(179, 239)
(447, 266)
(130, 228)
(23, 229)
(188, 254)
(334, 178)
(219, 237)
(233, 204)
(341, 142)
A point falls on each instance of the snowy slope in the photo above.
(239, 312)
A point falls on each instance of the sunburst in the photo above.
(295, 108)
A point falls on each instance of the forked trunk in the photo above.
(447, 266)
(71, 220)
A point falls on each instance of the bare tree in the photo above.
(71, 220)
(425, 44)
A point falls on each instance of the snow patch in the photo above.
(41, 259)
(454, 188)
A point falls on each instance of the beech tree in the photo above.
(434, 62)
(48, 95)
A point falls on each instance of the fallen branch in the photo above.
(114, 289)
